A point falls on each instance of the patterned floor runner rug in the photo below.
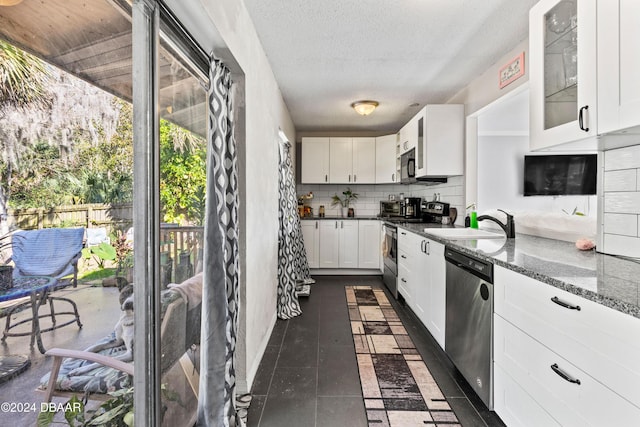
(397, 387)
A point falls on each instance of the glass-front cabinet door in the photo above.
(562, 48)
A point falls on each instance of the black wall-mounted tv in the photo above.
(560, 174)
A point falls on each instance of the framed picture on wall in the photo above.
(511, 71)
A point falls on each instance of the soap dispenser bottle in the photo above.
(471, 220)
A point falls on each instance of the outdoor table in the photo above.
(38, 289)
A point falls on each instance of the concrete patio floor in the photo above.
(99, 312)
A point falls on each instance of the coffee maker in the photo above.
(412, 207)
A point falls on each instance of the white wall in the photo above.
(500, 180)
(479, 93)
(227, 22)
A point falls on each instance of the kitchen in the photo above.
(615, 212)
(556, 269)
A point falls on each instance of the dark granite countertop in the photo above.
(346, 218)
(608, 280)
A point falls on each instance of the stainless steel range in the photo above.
(390, 252)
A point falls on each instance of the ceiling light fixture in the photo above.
(9, 2)
(364, 108)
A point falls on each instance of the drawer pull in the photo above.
(403, 233)
(402, 256)
(403, 280)
(564, 376)
(565, 305)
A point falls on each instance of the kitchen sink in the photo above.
(463, 233)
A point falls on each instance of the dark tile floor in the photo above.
(309, 375)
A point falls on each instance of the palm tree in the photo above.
(23, 82)
(23, 78)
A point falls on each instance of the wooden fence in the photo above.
(180, 247)
(93, 215)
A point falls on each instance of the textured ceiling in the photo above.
(326, 54)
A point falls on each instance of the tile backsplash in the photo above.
(370, 195)
(621, 202)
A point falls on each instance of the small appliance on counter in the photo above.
(391, 209)
(434, 212)
(412, 207)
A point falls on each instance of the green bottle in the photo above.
(474, 220)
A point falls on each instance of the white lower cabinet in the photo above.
(571, 396)
(546, 340)
(348, 244)
(421, 280)
(345, 244)
(329, 253)
(437, 290)
(311, 236)
(514, 405)
(338, 244)
(369, 244)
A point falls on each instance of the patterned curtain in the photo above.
(216, 406)
(293, 267)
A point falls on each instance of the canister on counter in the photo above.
(321, 211)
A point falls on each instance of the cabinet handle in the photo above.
(581, 118)
(402, 256)
(355, 178)
(422, 246)
(326, 178)
(341, 224)
(316, 224)
(403, 280)
(349, 178)
(393, 177)
(564, 375)
(428, 246)
(336, 224)
(564, 304)
(403, 233)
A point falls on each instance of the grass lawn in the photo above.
(88, 276)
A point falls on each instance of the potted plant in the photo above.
(345, 202)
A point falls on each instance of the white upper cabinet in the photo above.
(562, 72)
(409, 135)
(618, 65)
(315, 160)
(439, 136)
(364, 160)
(386, 157)
(340, 160)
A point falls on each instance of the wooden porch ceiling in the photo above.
(92, 40)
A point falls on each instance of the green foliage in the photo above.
(349, 196)
(101, 253)
(90, 171)
(23, 78)
(182, 176)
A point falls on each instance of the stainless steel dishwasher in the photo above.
(469, 321)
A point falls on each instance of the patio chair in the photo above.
(95, 236)
(52, 253)
(180, 329)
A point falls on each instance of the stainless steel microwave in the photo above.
(408, 167)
